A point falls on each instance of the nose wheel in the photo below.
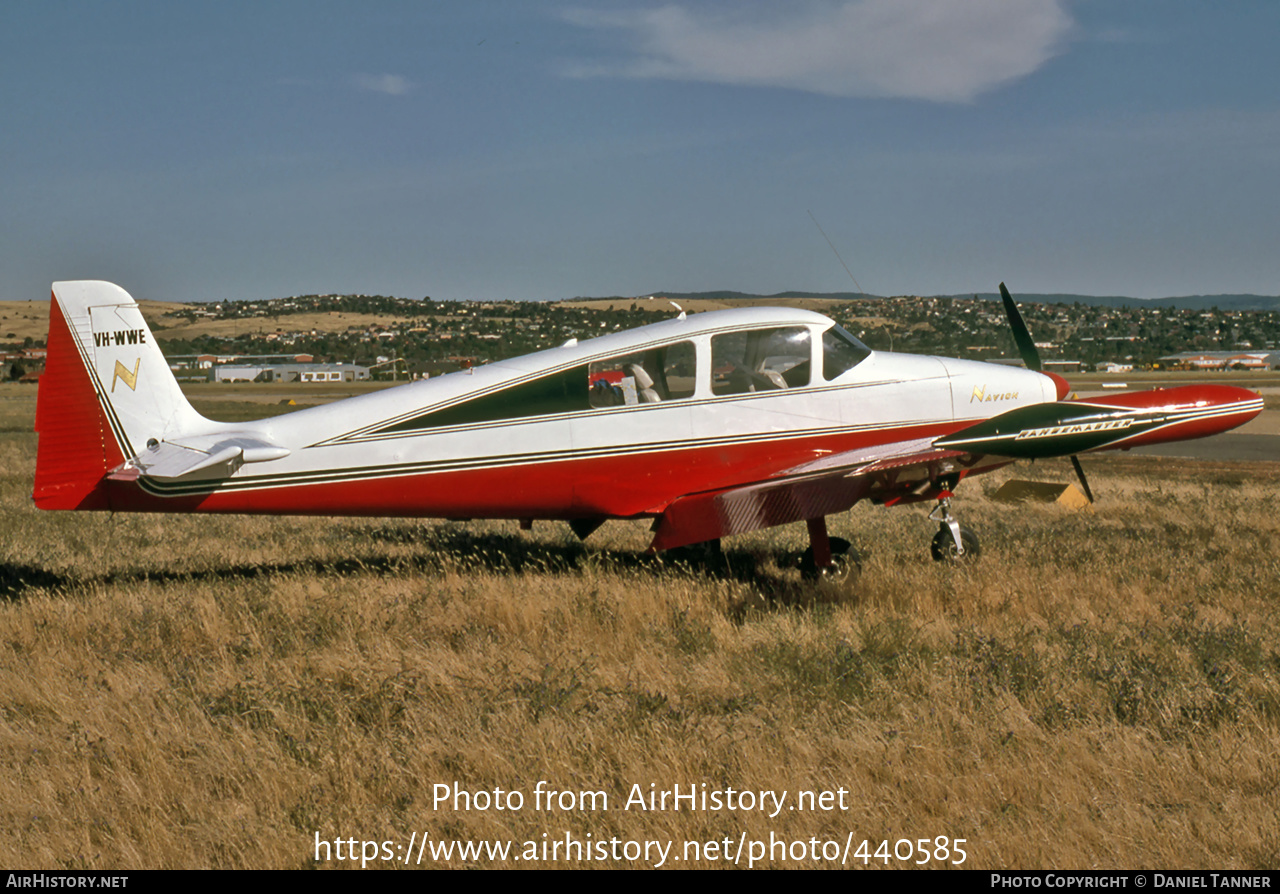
(952, 543)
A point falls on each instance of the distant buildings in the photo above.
(288, 372)
(182, 363)
(263, 368)
(1222, 360)
(22, 366)
(1057, 366)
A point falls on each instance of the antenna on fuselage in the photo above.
(833, 249)
(846, 267)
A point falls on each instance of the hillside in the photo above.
(815, 299)
(427, 336)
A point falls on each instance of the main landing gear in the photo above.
(952, 543)
(829, 559)
(707, 555)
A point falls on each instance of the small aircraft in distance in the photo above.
(710, 425)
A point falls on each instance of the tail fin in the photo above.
(105, 392)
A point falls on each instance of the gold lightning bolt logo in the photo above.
(123, 373)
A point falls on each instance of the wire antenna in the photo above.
(833, 248)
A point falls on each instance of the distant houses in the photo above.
(1056, 366)
(22, 366)
(263, 368)
(1222, 360)
(289, 372)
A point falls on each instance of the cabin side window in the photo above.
(644, 377)
(841, 352)
(760, 360)
(561, 392)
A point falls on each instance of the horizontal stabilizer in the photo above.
(183, 457)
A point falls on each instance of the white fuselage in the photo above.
(419, 450)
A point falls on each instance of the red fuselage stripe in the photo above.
(626, 485)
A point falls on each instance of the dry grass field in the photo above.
(1098, 689)
(24, 319)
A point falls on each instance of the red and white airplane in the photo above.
(712, 424)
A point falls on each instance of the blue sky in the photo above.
(499, 150)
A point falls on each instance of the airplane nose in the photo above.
(1060, 383)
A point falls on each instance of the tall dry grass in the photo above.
(1099, 690)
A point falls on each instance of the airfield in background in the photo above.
(1258, 441)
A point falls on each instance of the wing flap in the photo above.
(823, 487)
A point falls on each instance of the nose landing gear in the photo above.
(952, 543)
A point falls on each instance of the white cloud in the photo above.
(939, 50)
(392, 85)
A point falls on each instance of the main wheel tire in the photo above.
(844, 568)
(943, 548)
(701, 556)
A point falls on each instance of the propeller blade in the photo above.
(1026, 347)
(1084, 482)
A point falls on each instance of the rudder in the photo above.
(105, 392)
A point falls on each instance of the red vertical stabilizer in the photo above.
(76, 447)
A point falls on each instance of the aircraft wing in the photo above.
(904, 471)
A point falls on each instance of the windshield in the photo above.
(841, 352)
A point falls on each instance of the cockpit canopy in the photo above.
(736, 361)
